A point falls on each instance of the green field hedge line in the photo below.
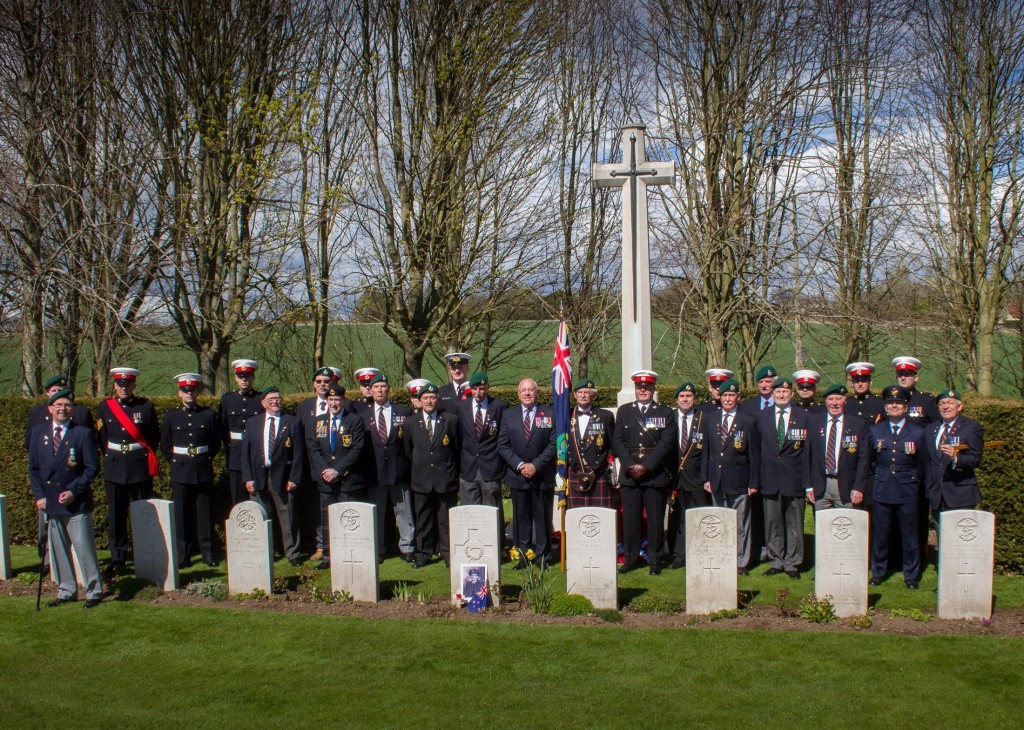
(1000, 476)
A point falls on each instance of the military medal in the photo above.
(880, 445)
(321, 429)
(72, 461)
(737, 440)
(910, 448)
(401, 432)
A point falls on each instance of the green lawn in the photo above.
(135, 665)
(285, 354)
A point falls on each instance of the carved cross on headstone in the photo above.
(840, 575)
(708, 571)
(472, 541)
(351, 562)
(964, 575)
(634, 175)
(590, 568)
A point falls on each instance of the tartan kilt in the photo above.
(602, 494)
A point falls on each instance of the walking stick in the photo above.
(42, 563)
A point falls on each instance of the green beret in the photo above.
(323, 371)
(268, 391)
(836, 388)
(766, 371)
(477, 378)
(63, 393)
(378, 378)
(337, 390)
(60, 380)
(428, 388)
(729, 386)
(687, 387)
(950, 393)
(583, 383)
(782, 381)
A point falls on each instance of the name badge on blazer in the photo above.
(542, 422)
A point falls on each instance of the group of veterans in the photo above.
(764, 457)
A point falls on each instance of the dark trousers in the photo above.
(883, 517)
(677, 519)
(236, 485)
(119, 497)
(286, 507)
(335, 496)
(193, 525)
(431, 511)
(531, 520)
(634, 501)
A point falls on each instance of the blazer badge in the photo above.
(346, 440)
(445, 441)
(599, 441)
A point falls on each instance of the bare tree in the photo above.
(737, 94)
(213, 77)
(970, 151)
(451, 103)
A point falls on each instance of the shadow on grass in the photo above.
(745, 598)
(873, 598)
(626, 595)
(387, 587)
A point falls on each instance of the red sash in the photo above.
(134, 432)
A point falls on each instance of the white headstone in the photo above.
(473, 539)
(710, 559)
(353, 535)
(5, 542)
(634, 175)
(153, 543)
(841, 559)
(250, 540)
(966, 561)
(590, 555)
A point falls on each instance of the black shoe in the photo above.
(627, 567)
(295, 561)
(655, 568)
(113, 570)
(677, 564)
(211, 562)
(60, 602)
(875, 581)
(91, 603)
(912, 584)
(408, 557)
(794, 574)
(421, 562)
(742, 571)
(774, 571)
(324, 564)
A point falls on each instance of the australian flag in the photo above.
(479, 600)
(561, 379)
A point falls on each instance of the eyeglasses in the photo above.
(321, 381)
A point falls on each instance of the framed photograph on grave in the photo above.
(474, 577)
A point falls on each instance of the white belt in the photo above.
(190, 450)
(124, 448)
(236, 435)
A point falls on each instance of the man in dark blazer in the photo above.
(336, 461)
(387, 469)
(308, 412)
(190, 438)
(728, 462)
(765, 376)
(39, 414)
(526, 442)
(62, 462)
(273, 451)
(898, 454)
(954, 447)
(129, 436)
(432, 446)
(840, 451)
(644, 442)
(783, 476)
(689, 486)
(480, 465)
(589, 450)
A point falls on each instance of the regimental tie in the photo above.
(272, 436)
(895, 431)
(58, 435)
(479, 421)
(944, 435)
(382, 426)
(723, 430)
(526, 424)
(830, 448)
(334, 432)
(684, 434)
(430, 426)
(780, 429)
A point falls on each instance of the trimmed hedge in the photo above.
(1000, 476)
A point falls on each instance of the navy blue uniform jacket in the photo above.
(71, 469)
